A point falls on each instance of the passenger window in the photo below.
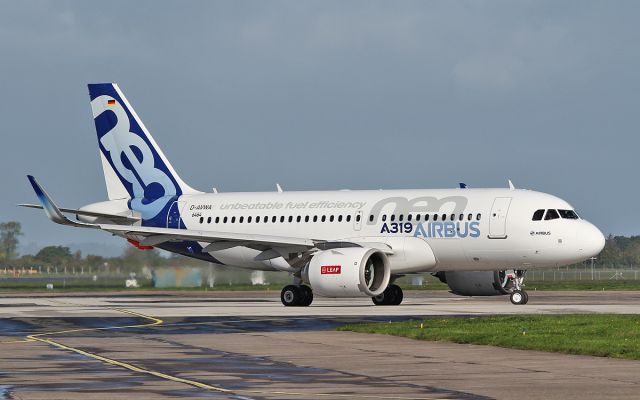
(217, 220)
(241, 219)
(393, 217)
(331, 218)
(478, 216)
(384, 218)
(201, 219)
(266, 219)
(248, 220)
(340, 218)
(274, 219)
(209, 220)
(444, 217)
(435, 217)
(224, 220)
(371, 218)
(348, 218)
(258, 218)
(409, 217)
(418, 217)
(290, 218)
(306, 218)
(461, 218)
(453, 217)
(324, 218)
(470, 217)
(315, 218)
(358, 218)
(551, 214)
(298, 218)
(401, 218)
(233, 220)
(568, 214)
(281, 218)
(537, 216)
(426, 217)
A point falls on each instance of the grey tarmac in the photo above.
(246, 345)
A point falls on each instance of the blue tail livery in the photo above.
(134, 166)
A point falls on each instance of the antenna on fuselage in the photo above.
(279, 188)
(215, 190)
(511, 185)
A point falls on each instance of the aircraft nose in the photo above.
(592, 240)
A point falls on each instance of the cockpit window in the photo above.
(568, 214)
(551, 214)
(537, 216)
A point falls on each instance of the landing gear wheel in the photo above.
(519, 297)
(291, 295)
(307, 296)
(398, 295)
(392, 296)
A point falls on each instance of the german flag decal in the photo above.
(111, 102)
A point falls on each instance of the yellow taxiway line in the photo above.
(42, 338)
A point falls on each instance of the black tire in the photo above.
(399, 296)
(290, 295)
(526, 297)
(518, 297)
(307, 296)
(386, 298)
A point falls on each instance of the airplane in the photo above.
(345, 243)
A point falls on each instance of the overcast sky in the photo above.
(329, 95)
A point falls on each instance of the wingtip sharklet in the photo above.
(50, 208)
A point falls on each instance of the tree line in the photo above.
(618, 252)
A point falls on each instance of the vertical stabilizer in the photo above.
(134, 166)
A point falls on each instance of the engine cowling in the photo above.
(478, 283)
(348, 272)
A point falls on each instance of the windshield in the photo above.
(568, 214)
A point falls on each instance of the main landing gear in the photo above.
(392, 296)
(519, 296)
(293, 295)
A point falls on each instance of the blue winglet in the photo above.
(53, 212)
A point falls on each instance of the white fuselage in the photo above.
(426, 230)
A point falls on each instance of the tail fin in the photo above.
(134, 166)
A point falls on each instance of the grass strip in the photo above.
(603, 335)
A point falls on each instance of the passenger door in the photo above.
(173, 216)
(498, 218)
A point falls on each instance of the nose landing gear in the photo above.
(519, 296)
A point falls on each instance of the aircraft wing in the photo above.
(125, 219)
(154, 236)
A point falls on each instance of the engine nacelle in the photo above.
(348, 272)
(478, 283)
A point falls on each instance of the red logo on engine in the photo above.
(330, 269)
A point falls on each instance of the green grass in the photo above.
(583, 285)
(604, 335)
(114, 284)
(548, 285)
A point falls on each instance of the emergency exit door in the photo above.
(498, 218)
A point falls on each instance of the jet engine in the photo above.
(478, 283)
(348, 272)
